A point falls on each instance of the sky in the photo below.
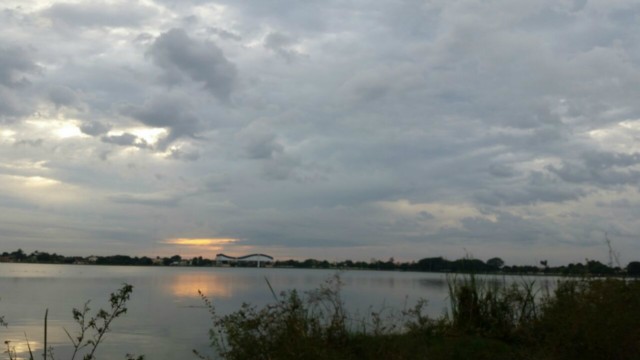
(321, 129)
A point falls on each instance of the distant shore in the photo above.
(433, 264)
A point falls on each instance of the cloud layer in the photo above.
(328, 129)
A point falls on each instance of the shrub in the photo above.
(592, 319)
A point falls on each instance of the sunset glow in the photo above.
(201, 242)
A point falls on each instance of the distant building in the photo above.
(258, 260)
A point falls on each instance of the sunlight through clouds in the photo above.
(201, 242)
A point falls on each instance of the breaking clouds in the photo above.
(322, 129)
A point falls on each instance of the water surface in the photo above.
(166, 318)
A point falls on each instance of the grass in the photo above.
(488, 319)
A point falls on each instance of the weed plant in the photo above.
(91, 329)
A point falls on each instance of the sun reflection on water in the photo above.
(21, 348)
(187, 285)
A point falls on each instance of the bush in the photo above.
(592, 319)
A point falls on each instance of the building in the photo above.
(259, 260)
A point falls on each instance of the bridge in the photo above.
(258, 259)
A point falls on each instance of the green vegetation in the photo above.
(580, 319)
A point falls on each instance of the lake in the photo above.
(166, 317)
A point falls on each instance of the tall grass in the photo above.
(488, 307)
(488, 319)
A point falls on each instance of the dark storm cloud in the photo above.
(99, 13)
(169, 112)
(201, 61)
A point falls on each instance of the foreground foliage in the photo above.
(580, 319)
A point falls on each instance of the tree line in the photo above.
(431, 264)
(472, 265)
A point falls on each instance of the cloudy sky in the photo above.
(327, 129)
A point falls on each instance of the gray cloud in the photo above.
(281, 45)
(186, 155)
(9, 104)
(539, 188)
(29, 142)
(260, 144)
(501, 170)
(180, 56)
(125, 139)
(94, 128)
(600, 169)
(280, 168)
(224, 33)
(163, 200)
(508, 126)
(63, 96)
(15, 64)
(99, 14)
(169, 112)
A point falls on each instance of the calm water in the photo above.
(166, 319)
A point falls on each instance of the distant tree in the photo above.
(597, 268)
(145, 261)
(42, 256)
(495, 263)
(433, 264)
(18, 255)
(469, 265)
(633, 269)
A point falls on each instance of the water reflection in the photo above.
(187, 285)
(21, 348)
(433, 283)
